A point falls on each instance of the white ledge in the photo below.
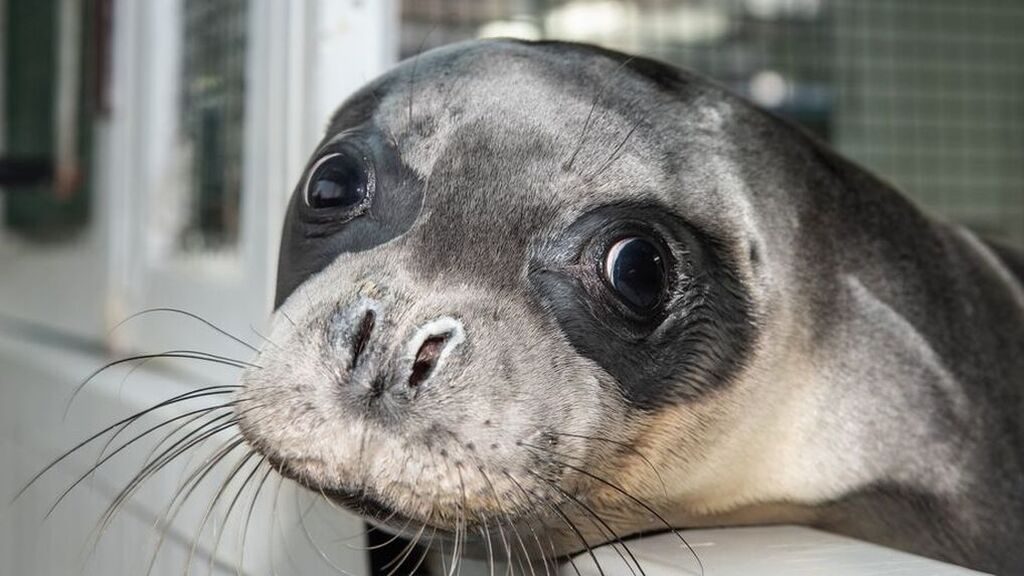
(760, 551)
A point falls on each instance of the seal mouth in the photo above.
(357, 501)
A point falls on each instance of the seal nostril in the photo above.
(363, 335)
(426, 358)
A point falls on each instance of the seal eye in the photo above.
(635, 269)
(339, 181)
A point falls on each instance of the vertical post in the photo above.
(356, 40)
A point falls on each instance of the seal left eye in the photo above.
(635, 269)
(338, 181)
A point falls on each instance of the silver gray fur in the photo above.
(879, 394)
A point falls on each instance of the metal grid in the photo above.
(925, 93)
(212, 118)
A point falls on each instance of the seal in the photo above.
(547, 291)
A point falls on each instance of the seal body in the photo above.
(550, 288)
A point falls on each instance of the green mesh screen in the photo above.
(925, 93)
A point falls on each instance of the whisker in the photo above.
(640, 503)
(400, 559)
(209, 511)
(614, 155)
(122, 447)
(170, 454)
(248, 518)
(540, 547)
(412, 73)
(602, 526)
(590, 114)
(264, 337)
(370, 529)
(579, 535)
(624, 445)
(568, 523)
(277, 524)
(185, 489)
(189, 315)
(572, 562)
(185, 354)
(316, 547)
(486, 533)
(443, 556)
(511, 524)
(208, 391)
(287, 317)
(199, 413)
(459, 519)
(387, 131)
(423, 555)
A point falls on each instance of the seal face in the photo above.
(551, 286)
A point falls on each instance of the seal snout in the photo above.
(373, 352)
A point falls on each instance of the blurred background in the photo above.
(147, 150)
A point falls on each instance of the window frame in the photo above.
(230, 289)
(294, 84)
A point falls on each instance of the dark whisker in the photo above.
(248, 519)
(638, 502)
(615, 152)
(565, 519)
(602, 526)
(579, 535)
(195, 415)
(242, 461)
(105, 459)
(231, 507)
(590, 114)
(208, 391)
(624, 445)
(412, 72)
(391, 137)
(185, 354)
(170, 454)
(287, 317)
(189, 315)
(185, 490)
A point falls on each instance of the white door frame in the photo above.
(303, 59)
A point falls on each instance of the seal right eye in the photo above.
(635, 269)
(341, 182)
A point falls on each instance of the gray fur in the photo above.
(873, 354)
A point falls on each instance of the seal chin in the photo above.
(413, 506)
(359, 502)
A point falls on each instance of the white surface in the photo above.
(762, 551)
(35, 382)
